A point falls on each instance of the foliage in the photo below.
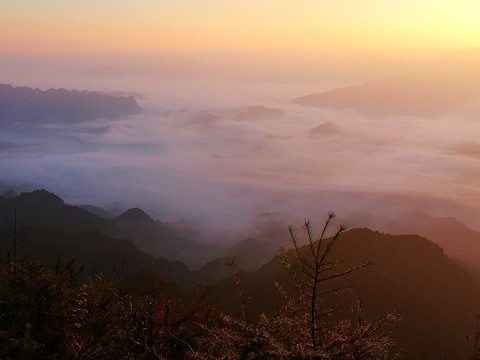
(44, 315)
(302, 328)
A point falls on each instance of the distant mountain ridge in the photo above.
(160, 239)
(97, 210)
(45, 209)
(26, 105)
(395, 97)
(435, 89)
(134, 215)
(41, 208)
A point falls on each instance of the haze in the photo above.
(220, 139)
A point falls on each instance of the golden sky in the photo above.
(90, 25)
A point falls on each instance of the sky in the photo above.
(54, 26)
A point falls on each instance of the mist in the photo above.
(221, 145)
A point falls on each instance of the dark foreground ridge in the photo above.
(410, 275)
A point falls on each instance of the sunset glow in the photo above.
(58, 26)
(160, 161)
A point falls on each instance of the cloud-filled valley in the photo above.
(222, 152)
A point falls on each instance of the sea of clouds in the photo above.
(221, 151)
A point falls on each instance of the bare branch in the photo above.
(331, 216)
(343, 273)
(328, 248)
(241, 293)
(308, 229)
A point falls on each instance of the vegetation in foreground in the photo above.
(45, 315)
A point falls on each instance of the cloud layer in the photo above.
(222, 152)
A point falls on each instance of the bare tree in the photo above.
(241, 293)
(314, 272)
(299, 330)
(13, 233)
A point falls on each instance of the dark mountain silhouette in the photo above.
(265, 236)
(437, 300)
(42, 208)
(213, 271)
(97, 210)
(24, 105)
(96, 253)
(134, 216)
(161, 240)
(251, 254)
(459, 241)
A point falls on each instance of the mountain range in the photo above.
(434, 89)
(436, 298)
(42, 208)
(29, 106)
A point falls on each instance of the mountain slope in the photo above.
(459, 241)
(44, 209)
(97, 210)
(161, 240)
(95, 252)
(437, 300)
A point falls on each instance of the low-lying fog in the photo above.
(221, 150)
